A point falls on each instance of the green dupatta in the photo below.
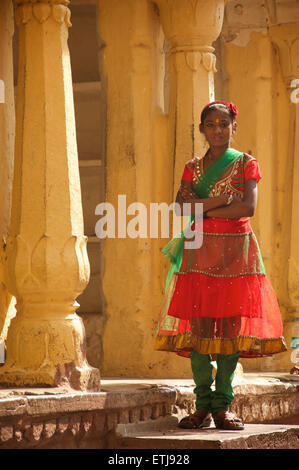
(174, 248)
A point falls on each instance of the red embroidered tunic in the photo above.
(232, 182)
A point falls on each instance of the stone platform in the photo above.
(64, 419)
(164, 434)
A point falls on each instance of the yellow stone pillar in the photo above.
(286, 41)
(7, 133)
(47, 263)
(191, 26)
(129, 30)
(251, 72)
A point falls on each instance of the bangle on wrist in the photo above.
(230, 199)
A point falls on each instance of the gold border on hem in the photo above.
(220, 275)
(183, 342)
(226, 234)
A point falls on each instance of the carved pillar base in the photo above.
(48, 353)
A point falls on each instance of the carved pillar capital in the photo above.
(191, 24)
(286, 41)
(42, 10)
(195, 59)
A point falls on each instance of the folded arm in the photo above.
(244, 207)
(187, 195)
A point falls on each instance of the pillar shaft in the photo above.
(191, 27)
(285, 38)
(252, 73)
(47, 263)
(128, 30)
(7, 133)
(286, 42)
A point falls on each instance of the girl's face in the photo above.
(218, 128)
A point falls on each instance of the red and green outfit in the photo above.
(219, 302)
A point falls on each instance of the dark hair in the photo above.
(215, 107)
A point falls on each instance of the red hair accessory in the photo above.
(231, 106)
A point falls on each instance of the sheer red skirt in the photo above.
(221, 300)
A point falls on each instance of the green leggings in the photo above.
(222, 397)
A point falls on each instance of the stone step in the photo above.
(259, 398)
(163, 433)
(61, 418)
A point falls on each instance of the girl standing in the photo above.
(219, 302)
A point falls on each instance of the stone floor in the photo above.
(129, 413)
(165, 434)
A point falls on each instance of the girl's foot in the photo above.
(226, 420)
(197, 420)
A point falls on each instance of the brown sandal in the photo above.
(199, 419)
(226, 420)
